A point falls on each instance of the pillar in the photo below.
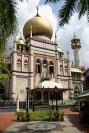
(17, 103)
(30, 79)
(13, 87)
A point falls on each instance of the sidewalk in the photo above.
(6, 120)
(70, 125)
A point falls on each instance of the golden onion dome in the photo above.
(39, 25)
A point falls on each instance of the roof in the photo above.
(59, 50)
(76, 70)
(84, 94)
(50, 84)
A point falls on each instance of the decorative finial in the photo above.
(37, 7)
(67, 54)
(55, 37)
(31, 31)
(74, 35)
(20, 35)
(72, 63)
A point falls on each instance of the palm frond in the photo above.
(51, 1)
(8, 20)
(82, 8)
(66, 12)
(88, 10)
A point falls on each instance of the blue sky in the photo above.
(27, 9)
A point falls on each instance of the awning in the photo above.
(50, 84)
(85, 94)
(76, 70)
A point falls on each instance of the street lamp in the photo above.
(52, 100)
(33, 94)
(27, 100)
(17, 103)
(56, 91)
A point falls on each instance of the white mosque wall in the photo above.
(66, 95)
(37, 79)
(21, 84)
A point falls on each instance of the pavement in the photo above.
(71, 124)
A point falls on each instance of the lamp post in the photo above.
(56, 91)
(33, 94)
(17, 103)
(27, 100)
(52, 102)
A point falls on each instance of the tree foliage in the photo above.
(64, 14)
(8, 20)
(4, 72)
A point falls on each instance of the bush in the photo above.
(61, 116)
(51, 115)
(39, 116)
(76, 108)
(20, 116)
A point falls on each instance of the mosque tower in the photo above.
(75, 45)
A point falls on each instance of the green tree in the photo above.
(64, 14)
(4, 71)
(8, 20)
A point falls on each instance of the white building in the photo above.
(36, 58)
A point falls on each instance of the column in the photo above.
(22, 63)
(63, 67)
(14, 58)
(17, 103)
(42, 96)
(30, 80)
(76, 57)
(41, 70)
(13, 87)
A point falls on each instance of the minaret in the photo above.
(75, 45)
(68, 64)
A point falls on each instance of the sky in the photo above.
(27, 9)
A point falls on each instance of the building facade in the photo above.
(36, 58)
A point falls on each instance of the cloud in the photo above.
(27, 9)
(81, 29)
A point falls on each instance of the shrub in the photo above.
(21, 116)
(76, 108)
(50, 115)
(38, 116)
(61, 116)
(54, 115)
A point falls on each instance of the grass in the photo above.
(50, 115)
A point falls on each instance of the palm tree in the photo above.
(64, 14)
(8, 21)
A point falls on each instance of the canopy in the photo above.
(85, 94)
(50, 84)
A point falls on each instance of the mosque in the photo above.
(39, 63)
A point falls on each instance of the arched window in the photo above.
(38, 95)
(76, 90)
(25, 61)
(26, 65)
(2, 89)
(19, 60)
(38, 66)
(45, 62)
(45, 95)
(19, 64)
(51, 67)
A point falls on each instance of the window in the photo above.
(45, 62)
(19, 64)
(51, 67)
(38, 66)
